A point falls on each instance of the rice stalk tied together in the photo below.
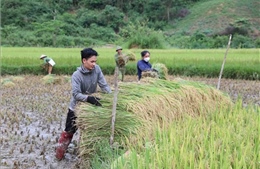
(159, 70)
(121, 61)
(141, 107)
(130, 56)
(7, 83)
(151, 74)
(51, 79)
(162, 70)
(11, 81)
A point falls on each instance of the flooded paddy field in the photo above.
(32, 116)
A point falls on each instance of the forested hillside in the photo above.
(131, 23)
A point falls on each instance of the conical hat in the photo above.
(42, 56)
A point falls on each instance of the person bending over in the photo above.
(48, 63)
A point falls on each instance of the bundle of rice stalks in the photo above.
(121, 61)
(130, 55)
(151, 74)
(67, 79)
(140, 108)
(51, 79)
(7, 82)
(162, 70)
(17, 78)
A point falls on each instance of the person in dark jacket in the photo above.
(84, 82)
(143, 64)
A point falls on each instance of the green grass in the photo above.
(240, 63)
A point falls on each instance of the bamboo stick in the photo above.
(113, 117)
(222, 67)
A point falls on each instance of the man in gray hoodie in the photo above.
(84, 83)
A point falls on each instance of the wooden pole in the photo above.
(113, 117)
(222, 67)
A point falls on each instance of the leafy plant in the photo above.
(141, 36)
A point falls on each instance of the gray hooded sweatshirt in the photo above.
(84, 82)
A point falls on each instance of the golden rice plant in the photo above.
(140, 107)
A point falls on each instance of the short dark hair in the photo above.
(88, 52)
(143, 53)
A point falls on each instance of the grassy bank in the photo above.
(240, 63)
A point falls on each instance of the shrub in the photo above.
(101, 33)
(240, 41)
(141, 36)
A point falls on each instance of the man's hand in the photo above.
(94, 100)
(154, 70)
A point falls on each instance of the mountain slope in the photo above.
(222, 17)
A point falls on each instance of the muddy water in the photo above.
(32, 116)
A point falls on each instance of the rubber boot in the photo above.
(63, 144)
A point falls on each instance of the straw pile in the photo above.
(10, 81)
(51, 79)
(141, 107)
(17, 78)
(7, 82)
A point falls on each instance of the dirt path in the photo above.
(33, 116)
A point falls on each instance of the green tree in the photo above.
(52, 28)
(112, 17)
(21, 13)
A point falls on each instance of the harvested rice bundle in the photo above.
(162, 70)
(151, 74)
(130, 55)
(159, 70)
(17, 78)
(7, 82)
(67, 79)
(140, 107)
(121, 61)
(51, 79)
(10, 81)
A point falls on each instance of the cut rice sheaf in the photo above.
(141, 107)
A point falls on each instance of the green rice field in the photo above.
(240, 63)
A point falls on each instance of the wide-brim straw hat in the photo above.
(42, 56)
